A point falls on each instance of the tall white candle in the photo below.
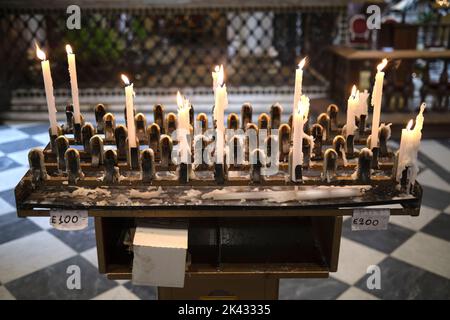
(73, 83)
(377, 95)
(183, 127)
(298, 84)
(129, 105)
(352, 110)
(48, 83)
(409, 148)
(220, 104)
(298, 122)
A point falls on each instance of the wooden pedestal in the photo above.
(234, 258)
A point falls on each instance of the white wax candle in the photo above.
(298, 84)
(73, 83)
(215, 74)
(377, 95)
(183, 127)
(298, 123)
(363, 109)
(306, 194)
(129, 105)
(220, 104)
(48, 84)
(409, 148)
(352, 109)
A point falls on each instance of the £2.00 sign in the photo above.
(370, 219)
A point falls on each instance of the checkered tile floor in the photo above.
(413, 254)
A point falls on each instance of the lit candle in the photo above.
(48, 83)
(129, 105)
(377, 95)
(409, 148)
(298, 122)
(183, 127)
(352, 110)
(298, 83)
(221, 103)
(73, 83)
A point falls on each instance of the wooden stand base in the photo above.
(220, 287)
(247, 260)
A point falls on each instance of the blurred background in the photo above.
(164, 46)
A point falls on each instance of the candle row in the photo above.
(356, 109)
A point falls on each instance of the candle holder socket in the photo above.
(53, 137)
(77, 132)
(275, 115)
(87, 132)
(109, 126)
(171, 123)
(324, 120)
(62, 144)
(363, 169)
(375, 156)
(246, 115)
(100, 112)
(121, 134)
(37, 165)
(112, 173)
(233, 121)
(133, 157)
(74, 172)
(317, 133)
(329, 165)
(141, 128)
(296, 173)
(148, 165)
(284, 141)
(332, 112)
(96, 147)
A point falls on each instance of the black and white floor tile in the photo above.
(413, 254)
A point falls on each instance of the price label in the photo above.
(69, 220)
(370, 219)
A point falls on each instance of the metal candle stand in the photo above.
(100, 164)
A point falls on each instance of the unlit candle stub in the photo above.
(370, 219)
(69, 220)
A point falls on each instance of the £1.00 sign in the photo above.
(69, 220)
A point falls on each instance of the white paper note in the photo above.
(370, 219)
(69, 220)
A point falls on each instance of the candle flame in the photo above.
(301, 64)
(409, 125)
(68, 49)
(353, 94)
(179, 100)
(40, 54)
(125, 79)
(382, 65)
(220, 76)
(422, 107)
